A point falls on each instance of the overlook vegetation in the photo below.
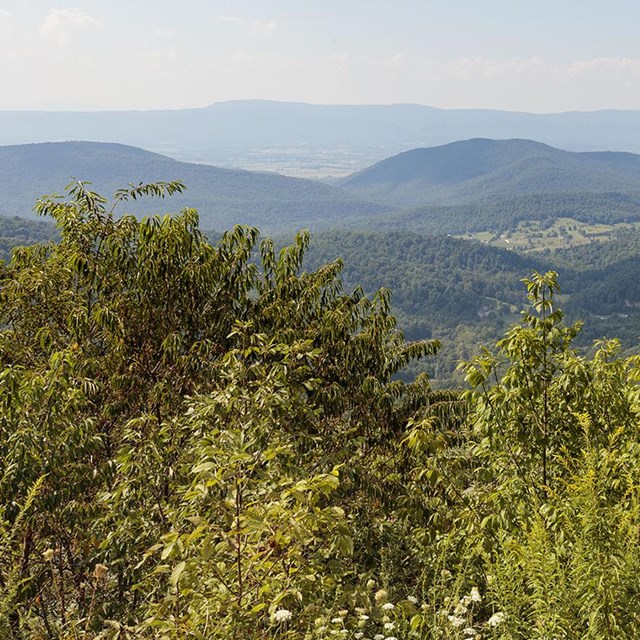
(199, 444)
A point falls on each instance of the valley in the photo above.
(315, 140)
(454, 267)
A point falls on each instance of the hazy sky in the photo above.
(530, 55)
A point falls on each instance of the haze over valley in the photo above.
(312, 140)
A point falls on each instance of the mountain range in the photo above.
(326, 138)
(462, 187)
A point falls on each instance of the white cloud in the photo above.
(617, 66)
(62, 25)
(394, 62)
(342, 61)
(263, 28)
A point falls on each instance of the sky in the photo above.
(524, 55)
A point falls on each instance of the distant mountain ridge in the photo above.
(244, 132)
(466, 186)
(480, 169)
(223, 197)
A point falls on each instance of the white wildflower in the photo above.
(378, 636)
(358, 635)
(371, 583)
(386, 619)
(496, 619)
(469, 631)
(460, 609)
(412, 599)
(361, 610)
(388, 606)
(48, 555)
(336, 620)
(343, 613)
(456, 621)
(282, 615)
(364, 617)
(389, 626)
(475, 595)
(391, 638)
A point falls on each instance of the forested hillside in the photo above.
(482, 170)
(224, 196)
(463, 292)
(504, 214)
(467, 294)
(480, 185)
(199, 444)
(509, 193)
(16, 231)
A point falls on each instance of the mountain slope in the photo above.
(250, 133)
(504, 213)
(481, 170)
(18, 232)
(223, 196)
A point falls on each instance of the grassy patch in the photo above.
(538, 235)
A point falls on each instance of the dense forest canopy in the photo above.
(196, 444)
(464, 293)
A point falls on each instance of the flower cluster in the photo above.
(379, 617)
(461, 616)
(281, 615)
(376, 617)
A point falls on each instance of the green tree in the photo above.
(110, 336)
